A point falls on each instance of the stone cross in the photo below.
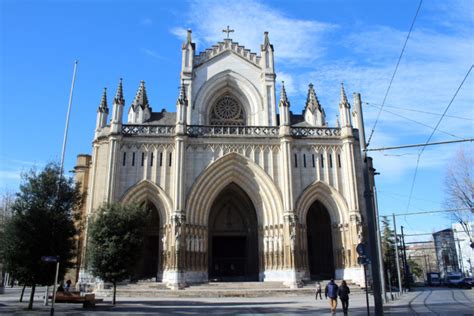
(228, 31)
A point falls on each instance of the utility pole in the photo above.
(396, 256)
(406, 268)
(372, 234)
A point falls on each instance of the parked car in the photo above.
(457, 280)
(468, 281)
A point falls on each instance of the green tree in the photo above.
(42, 224)
(415, 268)
(388, 251)
(114, 237)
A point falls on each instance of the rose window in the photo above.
(227, 111)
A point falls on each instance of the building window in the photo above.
(227, 111)
(322, 161)
(314, 162)
(133, 159)
(339, 160)
(330, 161)
(169, 161)
(124, 159)
(161, 159)
(296, 161)
(151, 160)
(143, 158)
(304, 160)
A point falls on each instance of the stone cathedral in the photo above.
(240, 188)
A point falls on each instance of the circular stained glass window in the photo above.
(227, 111)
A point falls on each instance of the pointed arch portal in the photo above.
(233, 237)
(146, 267)
(320, 250)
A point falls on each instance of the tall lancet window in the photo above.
(227, 111)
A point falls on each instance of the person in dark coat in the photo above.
(343, 293)
(331, 292)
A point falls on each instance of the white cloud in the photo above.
(152, 53)
(146, 21)
(297, 41)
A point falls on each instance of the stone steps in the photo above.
(216, 289)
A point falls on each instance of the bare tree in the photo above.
(459, 184)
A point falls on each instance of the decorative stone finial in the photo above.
(103, 102)
(141, 98)
(119, 94)
(182, 94)
(283, 97)
(312, 102)
(188, 36)
(343, 96)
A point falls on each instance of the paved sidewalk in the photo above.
(408, 304)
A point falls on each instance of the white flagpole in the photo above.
(67, 120)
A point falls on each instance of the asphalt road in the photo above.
(423, 301)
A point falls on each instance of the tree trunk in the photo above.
(115, 290)
(32, 296)
(22, 292)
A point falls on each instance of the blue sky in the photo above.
(323, 42)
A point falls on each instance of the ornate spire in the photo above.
(188, 36)
(266, 42)
(141, 98)
(338, 125)
(312, 102)
(343, 97)
(103, 102)
(119, 95)
(182, 94)
(283, 97)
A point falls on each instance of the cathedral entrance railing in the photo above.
(315, 132)
(144, 130)
(216, 130)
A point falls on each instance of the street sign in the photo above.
(50, 258)
(361, 249)
(363, 260)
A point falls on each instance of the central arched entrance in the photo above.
(146, 266)
(320, 250)
(233, 237)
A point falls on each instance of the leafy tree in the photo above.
(42, 224)
(388, 251)
(415, 268)
(114, 237)
(459, 183)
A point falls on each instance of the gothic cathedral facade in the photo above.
(237, 191)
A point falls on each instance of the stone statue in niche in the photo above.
(163, 242)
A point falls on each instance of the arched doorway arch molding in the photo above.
(251, 178)
(332, 200)
(146, 191)
(230, 82)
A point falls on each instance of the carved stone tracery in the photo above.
(227, 111)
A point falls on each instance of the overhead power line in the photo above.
(419, 111)
(415, 121)
(432, 133)
(394, 73)
(432, 212)
(422, 145)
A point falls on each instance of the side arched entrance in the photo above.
(147, 264)
(320, 245)
(233, 237)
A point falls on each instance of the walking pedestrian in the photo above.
(318, 290)
(331, 292)
(343, 293)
